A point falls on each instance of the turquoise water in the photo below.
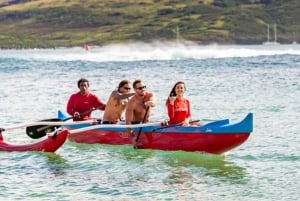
(222, 82)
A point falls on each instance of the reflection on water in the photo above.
(179, 164)
(54, 158)
(203, 164)
(173, 175)
(55, 164)
(122, 152)
(137, 155)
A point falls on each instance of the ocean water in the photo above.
(222, 82)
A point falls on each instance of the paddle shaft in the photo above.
(179, 124)
(140, 130)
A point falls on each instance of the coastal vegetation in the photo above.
(44, 24)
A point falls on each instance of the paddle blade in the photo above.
(39, 131)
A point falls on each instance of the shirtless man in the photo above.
(117, 103)
(139, 106)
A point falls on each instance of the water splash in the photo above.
(152, 51)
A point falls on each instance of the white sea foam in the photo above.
(153, 51)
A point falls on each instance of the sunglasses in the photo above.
(141, 88)
(127, 88)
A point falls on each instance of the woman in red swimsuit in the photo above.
(179, 109)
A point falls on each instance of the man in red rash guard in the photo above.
(179, 110)
(82, 103)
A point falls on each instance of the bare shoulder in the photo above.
(150, 94)
(131, 102)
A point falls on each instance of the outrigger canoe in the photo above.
(216, 137)
(50, 143)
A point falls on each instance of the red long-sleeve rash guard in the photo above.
(83, 103)
(179, 111)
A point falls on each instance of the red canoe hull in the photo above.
(215, 143)
(49, 144)
(216, 137)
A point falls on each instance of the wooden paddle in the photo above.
(140, 130)
(39, 131)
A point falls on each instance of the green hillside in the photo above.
(49, 23)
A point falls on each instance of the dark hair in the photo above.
(173, 92)
(122, 83)
(136, 82)
(83, 80)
